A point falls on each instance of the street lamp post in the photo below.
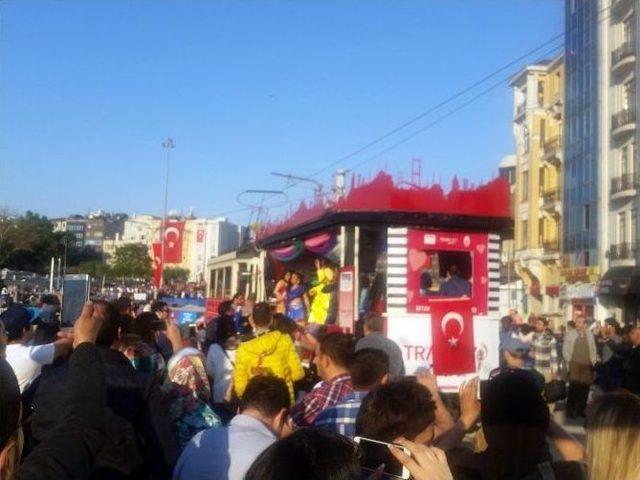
(168, 145)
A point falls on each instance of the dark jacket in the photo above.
(72, 446)
(139, 440)
(630, 365)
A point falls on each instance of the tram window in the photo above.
(446, 274)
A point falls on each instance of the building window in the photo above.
(585, 216)
(525, 233)
(543, 132)
(624, 160)
(525, 186)
(622, 227)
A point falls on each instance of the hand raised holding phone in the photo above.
(424, 463)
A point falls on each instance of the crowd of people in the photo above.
(264, 396)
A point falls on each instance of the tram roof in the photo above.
(381, 201)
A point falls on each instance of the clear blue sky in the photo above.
(91, 88)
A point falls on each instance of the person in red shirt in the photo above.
(333, 358)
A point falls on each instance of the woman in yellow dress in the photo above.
(321, 292)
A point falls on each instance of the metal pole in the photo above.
(168, 145)
(51, 274)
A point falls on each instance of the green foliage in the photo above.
(132, 261)
(175, 275)
(95, 268)
(28, 242)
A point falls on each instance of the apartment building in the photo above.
(537, 125)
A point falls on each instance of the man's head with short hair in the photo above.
(310, 453)
(238, 299)
(399, 409)
(369, 368)
(373, 323)
(123, 305)
(225, 308)
(268, 397)
(110, 328)
(334, 355)
(261, 315)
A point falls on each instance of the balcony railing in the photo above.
(623, 118)
(628, 181)
(520, 109)
(622, 251)
(550, 195)
(551, 244)
(627, 49)
(552, 143)
(619, 5)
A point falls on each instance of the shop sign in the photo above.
(580, 274)
(580, 290)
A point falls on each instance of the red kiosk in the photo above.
(429, 261)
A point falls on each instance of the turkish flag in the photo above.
(157, 264)
(173, 235)
(452, 337)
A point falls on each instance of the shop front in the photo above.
(619, 291)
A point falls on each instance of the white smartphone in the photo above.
(374, 453)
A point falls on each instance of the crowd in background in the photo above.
(262, 396)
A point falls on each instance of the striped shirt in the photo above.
(545, 355)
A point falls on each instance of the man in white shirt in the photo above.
(27, 359)
(226, 453)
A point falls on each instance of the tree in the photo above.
(175, 275)
(27, 242)
(132, 261)
(95, 268)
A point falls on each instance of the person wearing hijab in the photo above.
(189, 393)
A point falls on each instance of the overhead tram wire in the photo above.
(442, 117)
(443, 102)
(435, 107)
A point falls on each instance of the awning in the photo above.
(620, 281)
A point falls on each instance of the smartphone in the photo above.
(75, 292)
(374, 453)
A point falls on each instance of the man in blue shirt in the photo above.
(370, 367)
(226, 453)
(455, 286)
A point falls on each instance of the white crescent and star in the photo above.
(173, 230)
(456, 317)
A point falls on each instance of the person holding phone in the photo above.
(25, 358)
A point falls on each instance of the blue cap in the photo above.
(15, 319)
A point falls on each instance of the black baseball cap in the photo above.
(15, 319)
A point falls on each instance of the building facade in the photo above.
(601, 181)
(538, 128)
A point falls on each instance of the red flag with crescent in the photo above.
(452, 336)
(157, 264)
(173, 235)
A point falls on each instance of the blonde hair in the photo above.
(613, 437)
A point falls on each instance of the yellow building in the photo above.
(538, 112)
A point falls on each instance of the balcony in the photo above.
(622, 122)
(624, 186)
(620, 7)
(551, 245)
(623, 58)
(520, 110)
(550, 200)
(552, 150)
(622, 252)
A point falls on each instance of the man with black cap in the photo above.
(27, 359)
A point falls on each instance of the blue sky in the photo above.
(89, 90)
